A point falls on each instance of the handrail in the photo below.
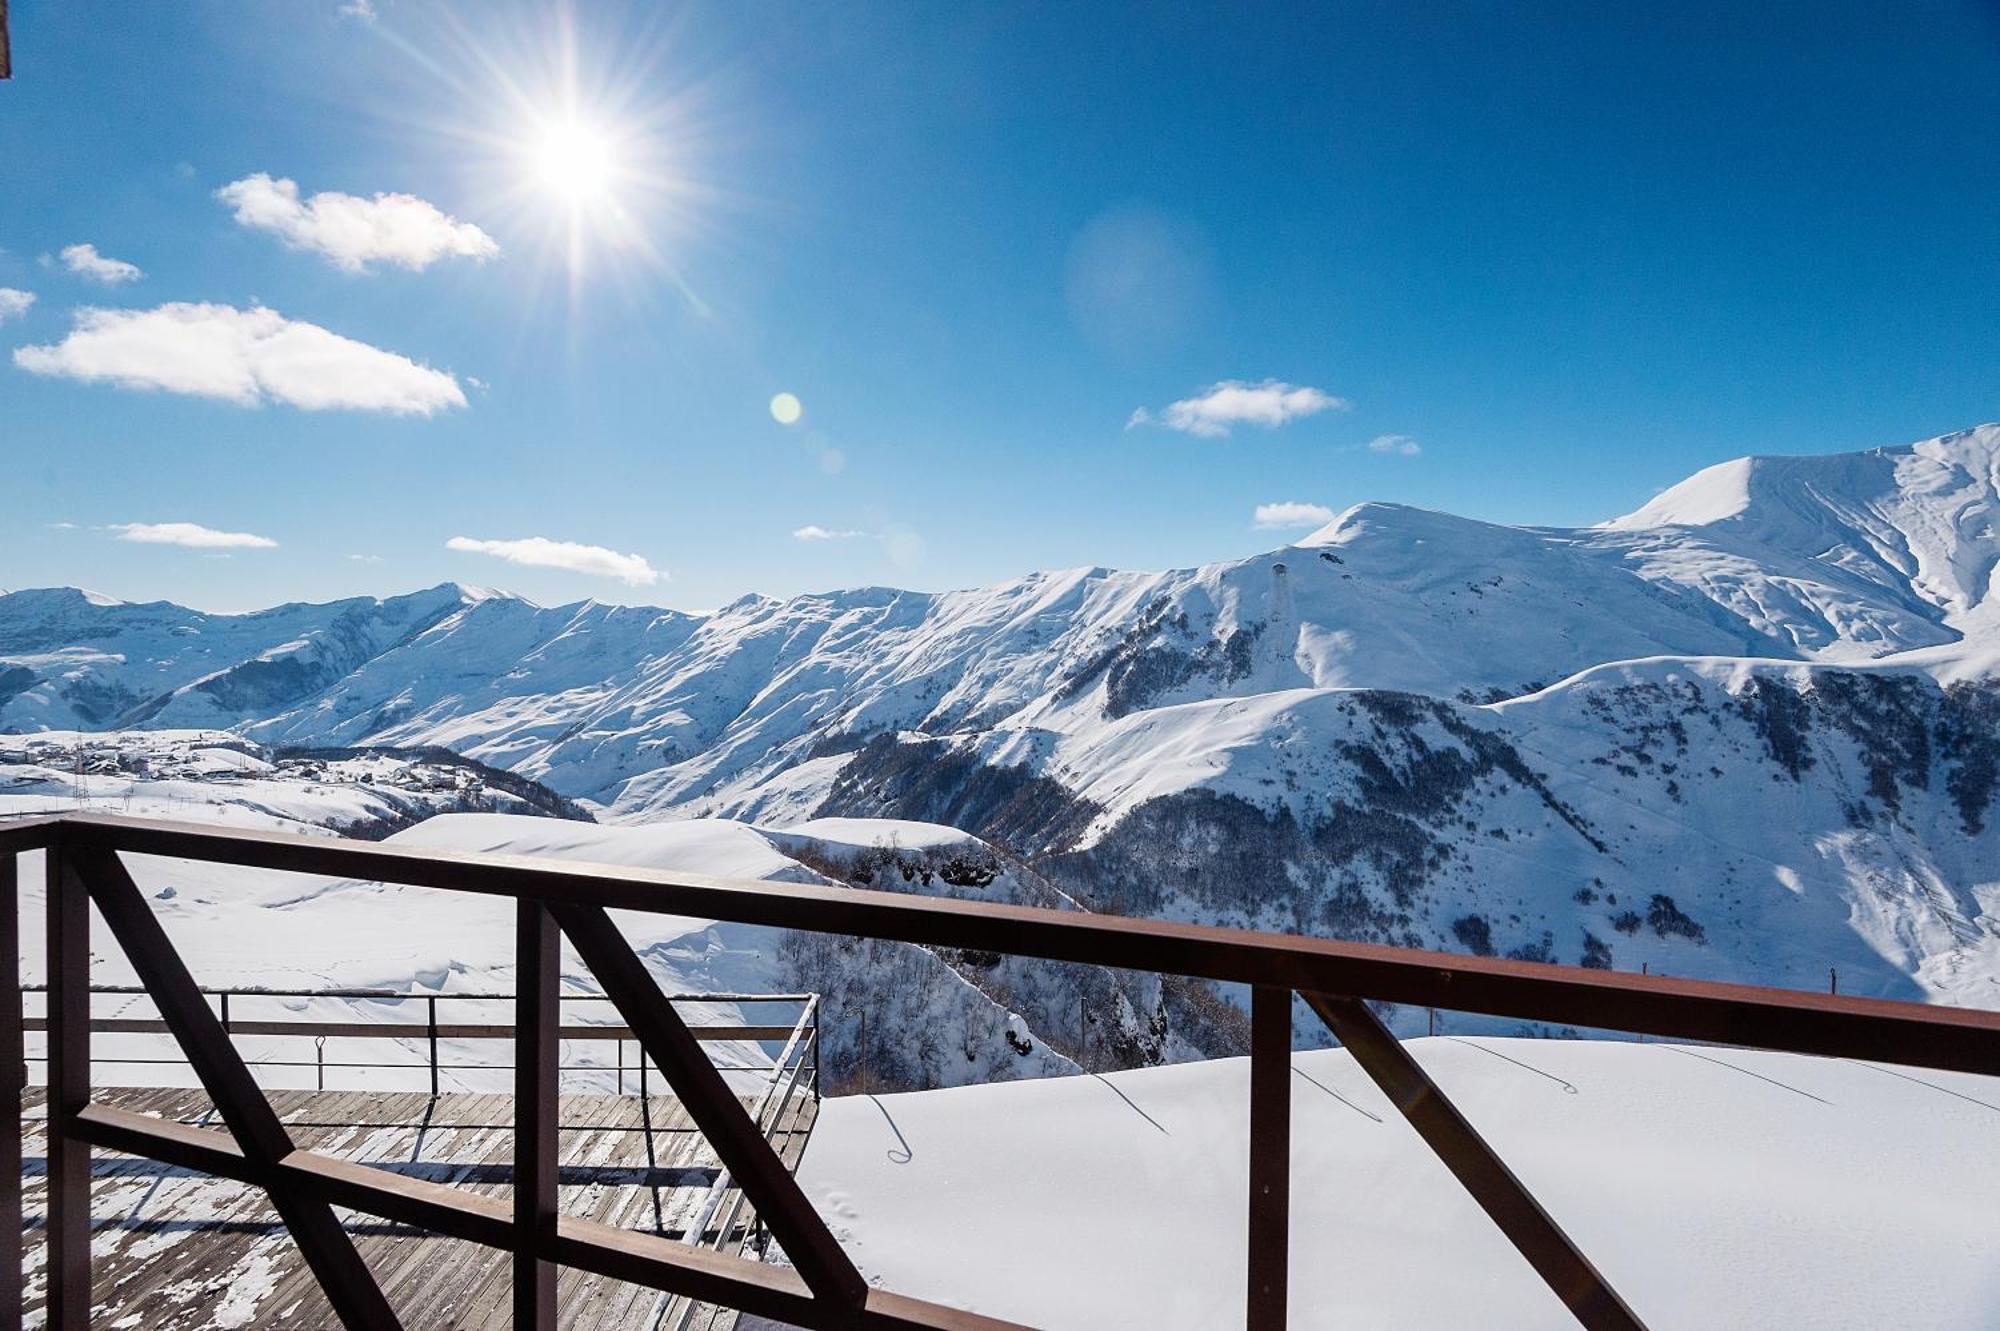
(259, 991)
(709, 1033)
(427, 1029)
(792, 1074)
(1887, 1030)
(821, 1288)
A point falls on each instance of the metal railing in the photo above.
(800, 1036)
(820, 1287)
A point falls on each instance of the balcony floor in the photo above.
(175, 1250)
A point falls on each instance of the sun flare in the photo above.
(586, 147)
(575, 161)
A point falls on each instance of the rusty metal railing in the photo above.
(820, 1288)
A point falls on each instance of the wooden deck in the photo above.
(173, 1249)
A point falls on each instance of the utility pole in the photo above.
(6, 54)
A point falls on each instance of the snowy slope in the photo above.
(1716, 1189)
(1848, 555)
(1718, 818)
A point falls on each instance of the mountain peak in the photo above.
(1376, 515)
(51, 597)
(1750, 487)
(1925, 516)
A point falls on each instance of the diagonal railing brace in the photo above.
(743, 1149)
(346, 1280)
(1472, 1162)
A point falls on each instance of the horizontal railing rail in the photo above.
(819, 1287)
(427, 1031)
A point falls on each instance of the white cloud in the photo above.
(248, 357)
(1399, 444)
(352, 231)
(541, 552)
(1268, 403)
(190, 534)
(1291, 513)
(812, 531)
(14, 303)
(85, 261)
(358, 9)
(366, 559)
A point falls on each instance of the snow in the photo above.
(1714, 1188)
(1921, 521)
(903, 833)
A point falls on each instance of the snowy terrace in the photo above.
(398, 1205)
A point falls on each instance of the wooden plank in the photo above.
(538, 971)
(1537, 1237)
(1270, 1155)
(808, 1243)
(431, 1280)
(586, 1245)
(349, 1286)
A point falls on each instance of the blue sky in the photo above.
(1569, 253)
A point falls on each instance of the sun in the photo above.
(574, 161)
(586, 144)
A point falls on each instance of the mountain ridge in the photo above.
(1742, 746)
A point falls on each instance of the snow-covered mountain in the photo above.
(1750, 731)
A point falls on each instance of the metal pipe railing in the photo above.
(430, 1030)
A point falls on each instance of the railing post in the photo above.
(1270, 1155)
(537, 1023)
(13, 1077)
(68, 1094)
(431, 1004)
